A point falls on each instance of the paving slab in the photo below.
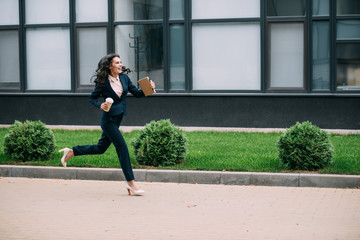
(57, 209)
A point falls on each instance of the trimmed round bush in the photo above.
(305, 147)
(160, 143)
(29, 141)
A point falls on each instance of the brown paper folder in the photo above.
(145, 86)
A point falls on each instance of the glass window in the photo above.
(9, 12)
(9, 59)
(138, 10)
(177, 57)
(223, 59)
(176, 9)
(225, 9)
(348, 29)
(141, 49)
(286, 51)
(45, 11)
(321, 7)
(48, 59)
(321, 55)
(348, 66)
(91, 47)
(286, 7)
(346, 7)
(96, 11)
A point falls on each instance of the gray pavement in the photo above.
(33, 208)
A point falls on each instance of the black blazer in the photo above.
(119, 105)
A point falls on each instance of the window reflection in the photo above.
(348, 66)
(141, 49)
(91, 46)
(176, 9)
(321, 7)
(128, 10)
(236, 57)
(321, 55)
(9, 12)
(205, 9)
(44, 11)
(44, 71)
(286, 55)
(97, 11)
(286, 7)
(348, 29)
(177, 57)
(345, 7)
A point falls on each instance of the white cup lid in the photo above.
(109, 100)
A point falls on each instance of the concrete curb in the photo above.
(175, 176)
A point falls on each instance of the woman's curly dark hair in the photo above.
(103, 69)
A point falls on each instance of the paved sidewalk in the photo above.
(82, 209)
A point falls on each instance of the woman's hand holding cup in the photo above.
(107, 104)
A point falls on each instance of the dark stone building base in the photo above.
(203, 110)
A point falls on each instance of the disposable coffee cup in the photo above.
(109, 102)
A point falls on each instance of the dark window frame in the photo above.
(263, 20)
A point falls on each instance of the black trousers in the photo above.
(111, 134)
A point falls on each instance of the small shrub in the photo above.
(305, 147)
(29, 141)
(160, 143)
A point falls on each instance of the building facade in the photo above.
(230, 63)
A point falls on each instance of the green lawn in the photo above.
(230, 151)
